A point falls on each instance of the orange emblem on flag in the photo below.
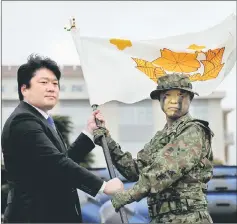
(177, 62)
(121, 44)
(185, 63)
(212, 65)
(152, 71)
(196, 47)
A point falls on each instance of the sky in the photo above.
(38, 27)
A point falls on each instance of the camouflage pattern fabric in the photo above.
(171, 171)
(98, 133)
(172, 81)
(200, 217)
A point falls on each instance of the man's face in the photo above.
(175, 103)
(43, 91)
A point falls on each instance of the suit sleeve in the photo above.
(80, 148)
(31, 137)
(171, 163)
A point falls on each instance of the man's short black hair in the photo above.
(27, 71)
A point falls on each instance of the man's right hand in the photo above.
(114, 185)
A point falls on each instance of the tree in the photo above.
(65, 126)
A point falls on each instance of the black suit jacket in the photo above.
(43, 174)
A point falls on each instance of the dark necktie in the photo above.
(51, 123)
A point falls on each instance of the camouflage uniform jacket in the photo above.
(174, 165)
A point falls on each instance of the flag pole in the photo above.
(104, 145)
(108, 159)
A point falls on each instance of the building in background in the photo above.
(228, 135)
(132, 125)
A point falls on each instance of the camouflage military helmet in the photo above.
(172, 81)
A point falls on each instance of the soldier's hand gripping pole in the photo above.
(108, 159)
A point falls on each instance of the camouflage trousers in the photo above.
(201, 217)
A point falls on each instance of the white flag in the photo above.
(127, 71)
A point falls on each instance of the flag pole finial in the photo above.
(72, 24)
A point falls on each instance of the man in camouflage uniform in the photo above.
(173, 168)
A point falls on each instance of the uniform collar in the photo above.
(176, 123)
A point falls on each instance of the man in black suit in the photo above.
(43, 174)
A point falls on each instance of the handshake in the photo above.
(113, 186)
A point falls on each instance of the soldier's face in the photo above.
(175, 103)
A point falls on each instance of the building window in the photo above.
(199, 109)
(78, 112)
(136, 114)
(135, 121)
(62, 88)
(77, 88)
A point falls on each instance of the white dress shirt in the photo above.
(89, 135)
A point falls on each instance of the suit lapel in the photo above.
(56, 135)
(42, 118)
(61, 137)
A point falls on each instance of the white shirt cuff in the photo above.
(102, 187)
(89, 135)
